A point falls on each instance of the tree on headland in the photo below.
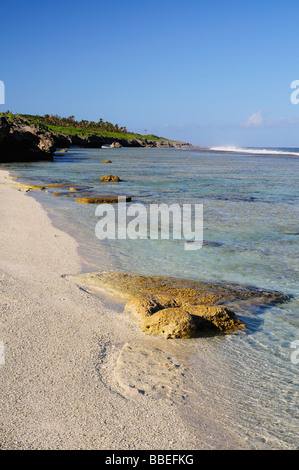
(56, 120)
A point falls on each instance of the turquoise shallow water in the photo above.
(251, 234)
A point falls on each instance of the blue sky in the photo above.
(211, 73)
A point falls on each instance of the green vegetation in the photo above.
(69, 125)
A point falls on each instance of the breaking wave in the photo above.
(256, 151)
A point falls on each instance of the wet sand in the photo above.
(73, 358)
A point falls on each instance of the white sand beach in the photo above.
(66, 353)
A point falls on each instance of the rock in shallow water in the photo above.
(174, 318)
(100, 200)
(109, 179)
(169, 322)
(178, 308)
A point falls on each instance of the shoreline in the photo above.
(65, 353)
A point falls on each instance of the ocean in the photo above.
(251, 231)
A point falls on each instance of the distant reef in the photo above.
(27, 138)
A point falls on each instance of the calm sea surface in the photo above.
(251, 235)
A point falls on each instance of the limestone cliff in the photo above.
(21, 142)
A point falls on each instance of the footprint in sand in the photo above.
(144, 370)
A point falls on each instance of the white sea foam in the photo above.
(256, 151)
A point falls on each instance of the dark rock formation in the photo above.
(22, 142)
(97, 141)
(61, 141)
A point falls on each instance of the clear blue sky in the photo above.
(211, 73)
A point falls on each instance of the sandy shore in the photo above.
(66, 348)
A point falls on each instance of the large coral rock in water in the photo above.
(170, 322)
(214, 318)
(174, 318)
(178, 308)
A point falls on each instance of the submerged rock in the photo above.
(57, 185)
(100, 200)
(27, 186)
(178, 308)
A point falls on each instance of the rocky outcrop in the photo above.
(115, 145)
(174, 317)
(20, 142)
(97, 141)
(178, 308)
